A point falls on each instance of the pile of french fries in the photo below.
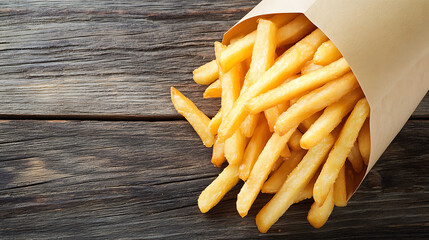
(293, 120)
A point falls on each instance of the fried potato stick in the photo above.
(340, 189)
(364, 141)
(331, 117)
(326, 53)
(214, 192)
(260, 172)
(254, 148)
(198, 120)
(218, 156)
(318, 215)
(263, 57)
(294, 88)
(315, 101)
(294, 184)
(214, 90)
(287, 65)
(340, 151)
(273, 184)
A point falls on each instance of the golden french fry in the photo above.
(249, 124)
(309, 67)
(285, 152)
(215, 122)
(214, 192)
(341, 150)
(315, 101)
(294, 30)
(214, 90)
(298, 86)
(263, 52)
(331, 117)
(260, 172)
(307, 192)
(364, 141)
(254, 148)
(207, 73)
(340, 189)
(277, 163)
(295, 99)
(273, 184)
(242, 49)
(294, 141)
(306, 124)
(355, 158)
(231, 86)
(287, 65)
(296, 181)
(234, 148)
(218, 156)
(230, 81)
(198, 120)
(263, 55)
(272, 114)
(318, 215)
(326, 53)
(238, 51)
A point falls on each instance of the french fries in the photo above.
(234, 148)
(260, 172)
(340, 189)
(287, 65)
(218, 156)
(295, 139)
(315, 101)
(299, 85)
(309, 67)
(198, 120)
(273, 184)
(287, 123)
(326, 53)
(207, 73)
(214, 90)
(331, 117)
(262, 59)
(242, 49)
(355, 158)
(284, 153)
(342, 148)
(273, 113)
(364, 142)
(214, 192)
(215, 122)
(254, 148)
(295, 183)
(318, 215)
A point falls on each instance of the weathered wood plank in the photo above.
(110, 57)
(107, 57)
(95, 179)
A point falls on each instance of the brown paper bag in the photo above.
(385, 42)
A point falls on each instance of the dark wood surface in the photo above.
(105, 154)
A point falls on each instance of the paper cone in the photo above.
(385, 42)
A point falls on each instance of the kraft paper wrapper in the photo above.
(385, 42)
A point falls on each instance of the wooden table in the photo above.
(91, 147)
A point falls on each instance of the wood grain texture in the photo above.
(141, 180)
(110, 57)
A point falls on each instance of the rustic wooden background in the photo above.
(91, 147)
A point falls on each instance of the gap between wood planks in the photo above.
(155, 118)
